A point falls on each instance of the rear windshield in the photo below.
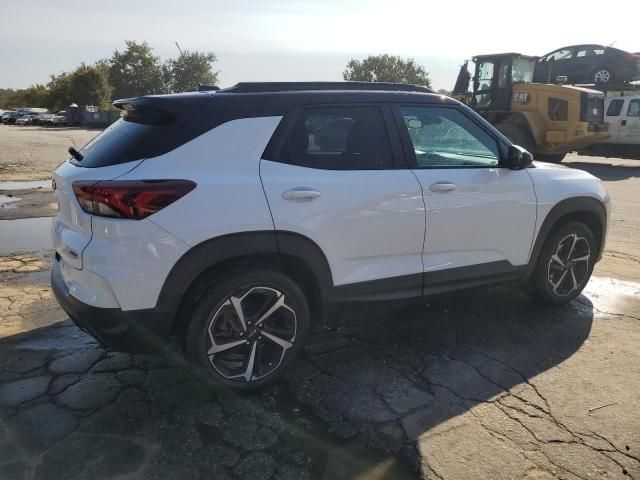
(122, 142)
(156, 126)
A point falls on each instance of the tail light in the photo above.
(129, 199)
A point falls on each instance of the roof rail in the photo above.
(256, 87)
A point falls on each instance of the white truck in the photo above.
(622, 114)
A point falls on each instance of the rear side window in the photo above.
(615, 107)
(340, 138)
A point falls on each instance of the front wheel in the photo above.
(247, 328)
(565, 263)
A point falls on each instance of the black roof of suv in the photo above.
(160, 123)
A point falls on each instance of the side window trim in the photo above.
(277, 143)
(407, 144)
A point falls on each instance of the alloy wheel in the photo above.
(569, 266)
(602, 76)
(250, 334)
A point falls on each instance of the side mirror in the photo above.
(518, 158)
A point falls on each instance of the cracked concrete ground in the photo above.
(482, 384)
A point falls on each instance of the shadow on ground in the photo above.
(355, 404)
(607, 171)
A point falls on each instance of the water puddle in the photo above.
(25, 235)
(26, 185)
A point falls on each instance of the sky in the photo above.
(293, 40)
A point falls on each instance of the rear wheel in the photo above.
(602, 76)
(565, 264)
(518, 135)
(247, 328)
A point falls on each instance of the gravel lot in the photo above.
(483, 384)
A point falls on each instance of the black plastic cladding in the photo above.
(199, 112)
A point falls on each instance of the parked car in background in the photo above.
(25, 120)
(622, 114)
(59, 119)
(589, 64)
(45, 119)
(10, 118)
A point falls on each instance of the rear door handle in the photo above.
(443, 187)
(300, 194)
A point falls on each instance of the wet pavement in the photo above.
(25, 235)
(481, 384)
(477, 384)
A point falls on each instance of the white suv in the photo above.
(231, 219)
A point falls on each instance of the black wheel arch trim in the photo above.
(208, 254)
(571, 206)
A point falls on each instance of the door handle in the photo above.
(443, 187)
(623, 123)
(301, 194)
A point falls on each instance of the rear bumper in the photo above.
(134, 331)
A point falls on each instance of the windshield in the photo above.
(523, 69)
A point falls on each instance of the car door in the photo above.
(480, 216)
(334, 179)
(583, 63)
(612, 116)
(629, 130)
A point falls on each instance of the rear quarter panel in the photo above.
(224, 162)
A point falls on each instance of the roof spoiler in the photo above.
(161, 109)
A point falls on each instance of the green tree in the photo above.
(387, 68)
(9, 97)
(444, 91)
(60, 95)
(135, 71)
(177, 72)
(90, 86)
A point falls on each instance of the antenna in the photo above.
(189, 67)
(612, 43)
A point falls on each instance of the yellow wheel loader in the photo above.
(548, 120)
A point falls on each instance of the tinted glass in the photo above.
(615, 107)
(563, 54)
(349, 138)
(587, 51)
(445, 137)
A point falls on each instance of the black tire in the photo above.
(214, 311)
(518, 135)
(553, 279)
(557, 158)
(599, 73)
